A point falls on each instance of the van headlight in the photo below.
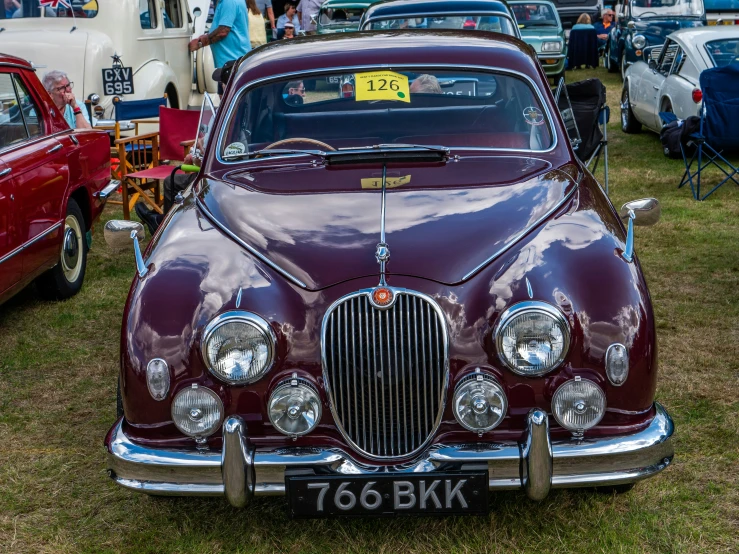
(532, 338)
(238, 347)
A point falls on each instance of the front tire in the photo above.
(65, 279)
(629, 123)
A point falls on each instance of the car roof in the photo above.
(333, 4)
(387, 49)
(389, 8)
(7, 59)
(697, 36)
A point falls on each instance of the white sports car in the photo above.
(668, 81)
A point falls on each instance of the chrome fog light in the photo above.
(479, 402)
(238, 347)
(197, 411)
(157, 378)
(532, 338)
(578, 405)
(294, 407)
(617, 364)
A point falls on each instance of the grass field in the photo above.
(59, 361)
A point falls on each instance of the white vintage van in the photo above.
(83, 38)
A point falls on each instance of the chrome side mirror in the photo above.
(646, 211)
(120, 234)
(638, 212)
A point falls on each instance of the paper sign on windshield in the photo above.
(390, 182)
(381, 85)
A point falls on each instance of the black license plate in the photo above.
(464, 492)
(117, 80)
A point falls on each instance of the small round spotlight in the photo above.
(479, 402)
(578, 405)
(294, 407)
(197, 411)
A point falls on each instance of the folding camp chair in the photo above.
(175, 128)
(717, 134)
(586, 116)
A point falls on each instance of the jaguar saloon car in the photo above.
(53, 185)
(670, 80)
(378, 298)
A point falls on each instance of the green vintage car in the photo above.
(541, 28)
(340, 16)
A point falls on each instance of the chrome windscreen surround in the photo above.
(386, 371)
(531, 306)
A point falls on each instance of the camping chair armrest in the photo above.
(153, 121)
(146, 136)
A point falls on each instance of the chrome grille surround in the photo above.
(380, 421)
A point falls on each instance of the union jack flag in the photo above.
(54, 3)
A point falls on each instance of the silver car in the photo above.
(669, 80)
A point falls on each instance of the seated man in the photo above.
(604, 27)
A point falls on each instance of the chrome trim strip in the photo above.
(523, 233)
(576, 463)
(550, 56)
(4, 172)
(254, 252)
(444, 385)
(26, 244)
(340, 69)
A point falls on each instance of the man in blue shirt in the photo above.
(229, 36)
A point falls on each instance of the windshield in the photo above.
(723, 52)
(662, 8)
(340, 16)
(534, 15)
(16, 9)
(461, 108)
(496, 24)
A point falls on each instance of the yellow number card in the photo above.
(381, 85)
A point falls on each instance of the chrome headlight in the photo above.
(532, 338)
(238, 347)
(578, 405)
(479, 402)
(294, 407)
(197, 411)
(554, 46)
(638, 42)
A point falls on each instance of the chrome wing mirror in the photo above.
(121, 234)
(644, 212)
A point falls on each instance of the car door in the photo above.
(652, 80)
(40, 174)
(10, 260)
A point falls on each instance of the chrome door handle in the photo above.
(55, 149)
(4, 172)
(655, 87)
(74, 140)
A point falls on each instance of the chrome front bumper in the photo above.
(239, 472)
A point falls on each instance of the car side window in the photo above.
(34, 122)
(12, 128)
(679, 61)
(148, 13)
(667, 57)
(172, 14)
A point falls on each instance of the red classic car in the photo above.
(379, 298)
(52, 187)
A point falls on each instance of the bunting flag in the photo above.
(54, 4)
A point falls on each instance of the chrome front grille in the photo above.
(386, 371)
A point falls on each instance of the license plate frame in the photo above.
(387, 494)
(117, 80)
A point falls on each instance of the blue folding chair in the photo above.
(718, 129)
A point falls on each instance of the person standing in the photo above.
(306, 9)
(265, 6)
(229, 35)
(290, 16)
(257, 30)
(60, 89)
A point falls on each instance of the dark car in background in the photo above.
(643, 23)
(53, 186)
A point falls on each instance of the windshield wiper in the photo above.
(394, 152)
(274, 152)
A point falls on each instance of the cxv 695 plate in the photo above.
(464, 492)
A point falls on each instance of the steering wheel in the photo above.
(642, 14)
(300, 139)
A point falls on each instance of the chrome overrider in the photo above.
(239, 472)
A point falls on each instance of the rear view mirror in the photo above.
(645, 212)
(118, 232)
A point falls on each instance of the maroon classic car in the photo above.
(378, 298)
(52, 187)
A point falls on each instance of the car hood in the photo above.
(656, 30)
(321, 225)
